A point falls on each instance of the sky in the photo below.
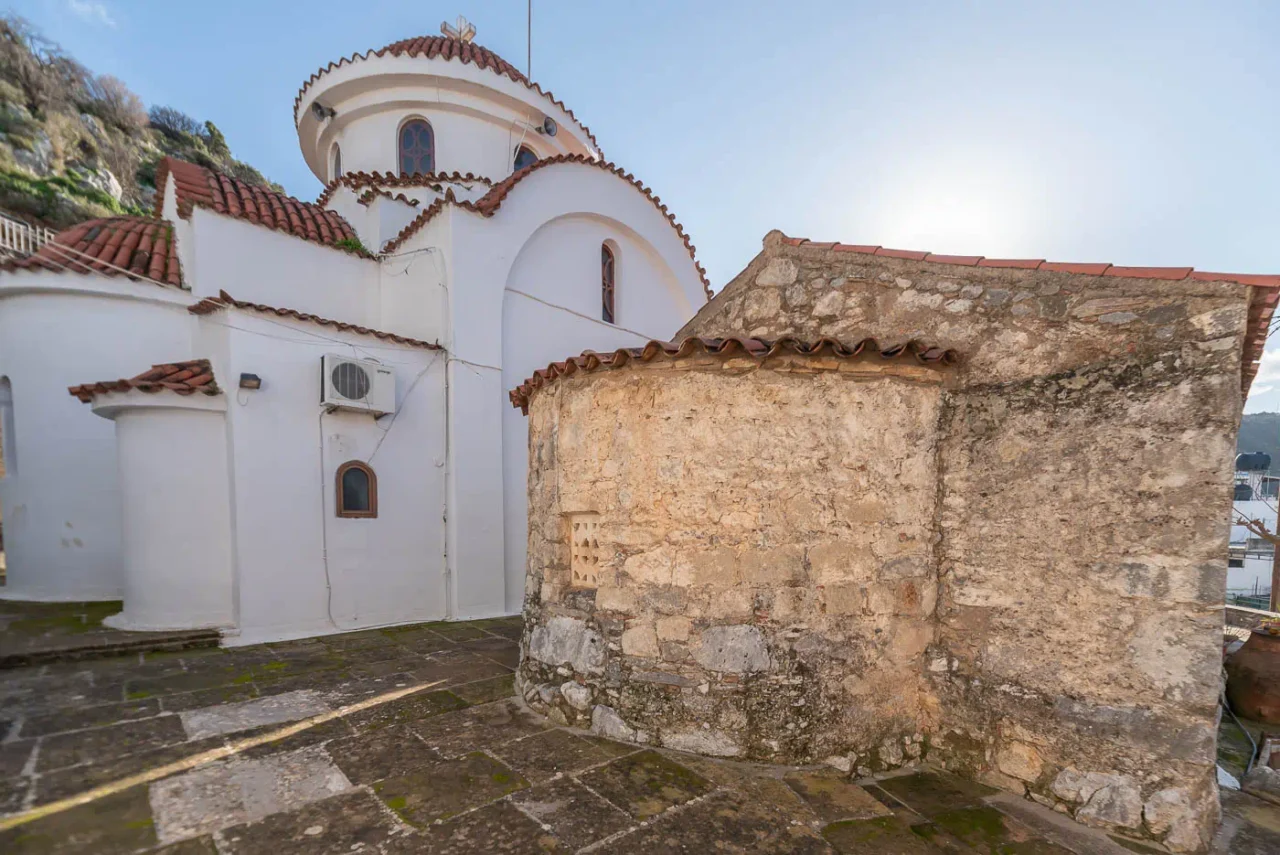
(1137, 133)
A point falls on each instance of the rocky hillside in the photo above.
(75, 145)
(1261, 432)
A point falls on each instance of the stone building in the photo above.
(993, 540)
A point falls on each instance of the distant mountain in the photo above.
(1261, 432)
(75, 145)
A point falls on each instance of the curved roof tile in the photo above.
(185, 378)
(435, 180)
(755, 348)
(443, 47)
(488, 204)
(209, 305)
(135, 247)
(197, 185)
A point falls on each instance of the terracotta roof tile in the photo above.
(1070, 267)
(901, 253)
(224, 300)
(1022, 263)
(184, 378)
(488, 204)
(199, 186)
(1262, 302)
(378, 180)
(755, 348)
(1149, 272)
(442, 47)
(134, 247)
(962, 260)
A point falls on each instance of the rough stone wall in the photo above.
(1084, 483)
(767, 576)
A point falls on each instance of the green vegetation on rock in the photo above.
(75, 145)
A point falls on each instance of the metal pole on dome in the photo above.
(528, 31)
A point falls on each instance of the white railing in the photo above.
(19, 239)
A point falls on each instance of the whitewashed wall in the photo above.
(175, 509)
(477, 116)
(61, 501)
(301, 570)
(260, 265)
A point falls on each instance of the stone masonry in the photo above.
(1013, 566)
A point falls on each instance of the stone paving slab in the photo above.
(461, 768)
(233, 717)
(242, 790)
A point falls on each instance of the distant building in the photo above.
(1249, 560)
(325, 442)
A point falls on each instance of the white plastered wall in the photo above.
(478, 116)
(301, 570)
(261, 265)
(175, 509)
(61, 501)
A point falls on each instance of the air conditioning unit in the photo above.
(357, 384)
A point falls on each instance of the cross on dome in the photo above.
(464, 30)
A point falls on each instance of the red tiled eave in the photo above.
(134, 247)
(378, 180)
(488, 204)
(184, 378)
(1262, 303)
(209, 305)
(442, 47)
(199, 186)
(758, 349)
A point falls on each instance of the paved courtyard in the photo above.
(458, 767)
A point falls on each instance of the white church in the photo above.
(282, 418)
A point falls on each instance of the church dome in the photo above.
(432, 104)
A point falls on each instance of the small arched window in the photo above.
(336, 171)
(357, 490)
(524, 157)
(608, 271)
(417, 148)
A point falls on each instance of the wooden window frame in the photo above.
(372, 513)
(608, 284)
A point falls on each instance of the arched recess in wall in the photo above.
(415, 147)
(335, 163)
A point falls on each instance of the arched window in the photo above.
(357, 490)
(608, 270)
(524, 157)
(336, 171)
(417, 148)
(8, 447)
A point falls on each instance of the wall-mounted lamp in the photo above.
(250, 381)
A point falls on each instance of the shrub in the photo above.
(173, 122)
(215, 141)
(47, 77)
(110, 100)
